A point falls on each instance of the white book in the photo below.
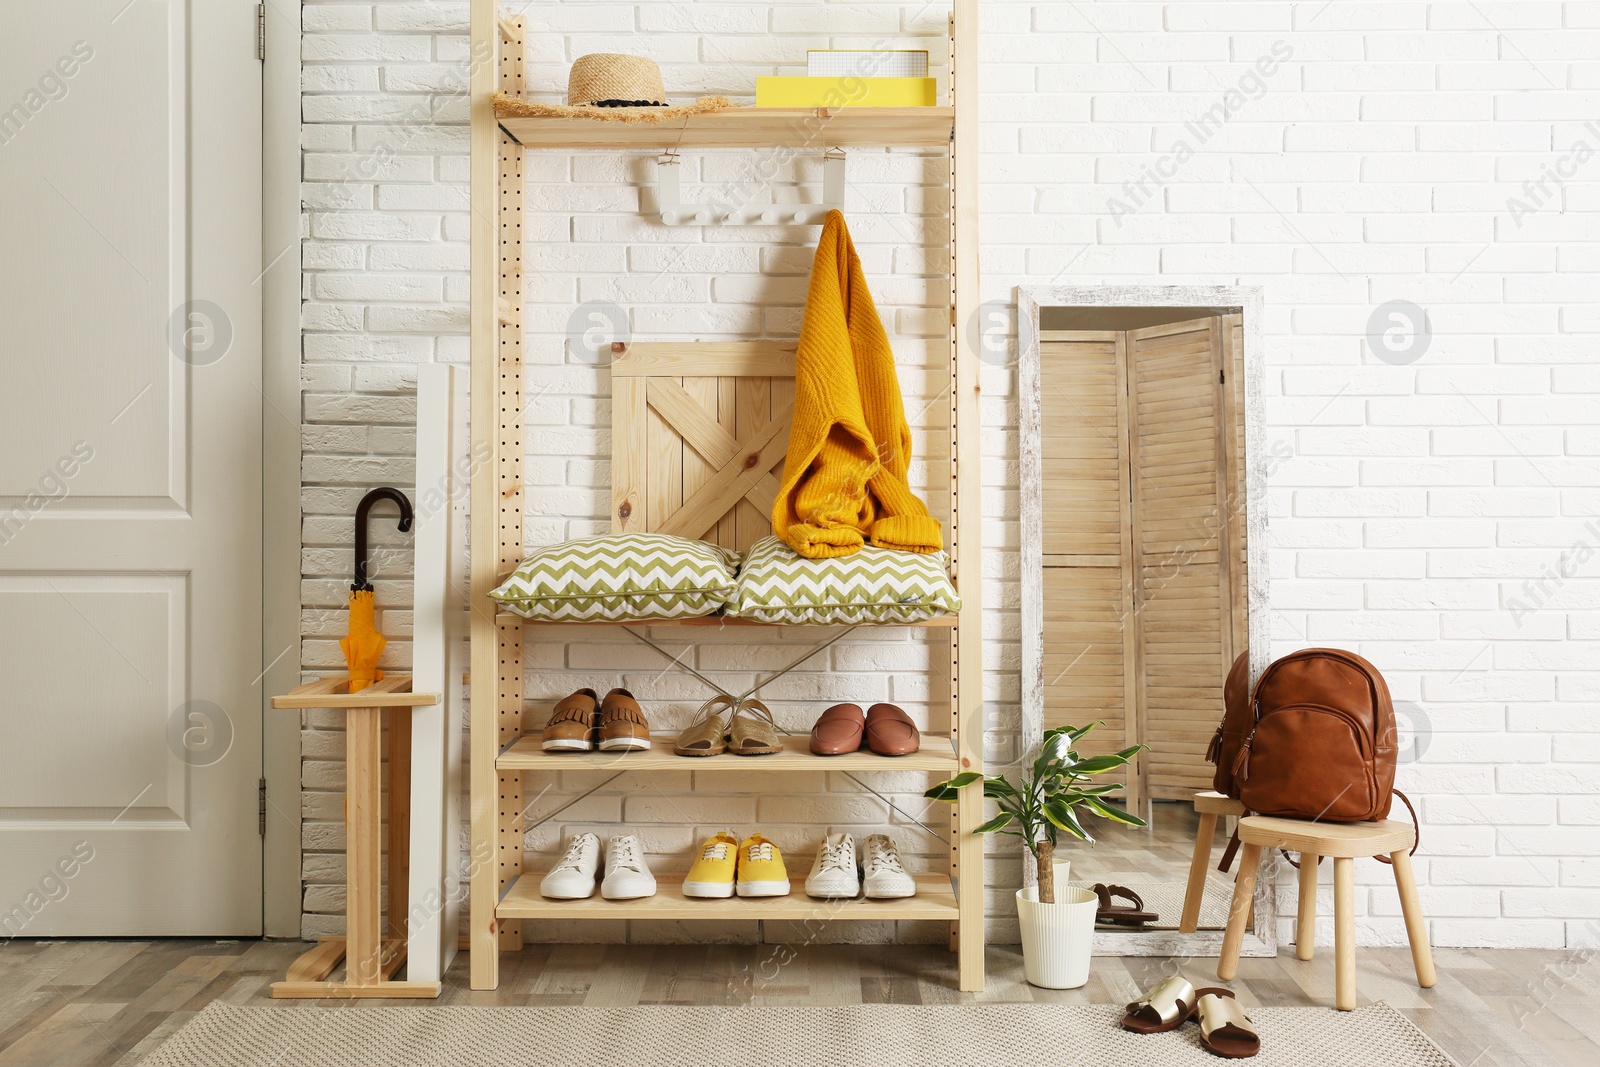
(866, 63)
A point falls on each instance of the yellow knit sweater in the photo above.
(844, 479)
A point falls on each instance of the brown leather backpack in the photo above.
(1315, 740)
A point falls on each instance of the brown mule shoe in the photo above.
(838, 730)
(572, 723)
(623, 726)
(890, 731)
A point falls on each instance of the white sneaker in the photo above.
(885, 878)
(573, 877)
(627, 875)
(834, 872)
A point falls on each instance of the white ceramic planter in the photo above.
(1057, 938)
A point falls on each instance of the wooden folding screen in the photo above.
(1143, 547)
(1089, 651)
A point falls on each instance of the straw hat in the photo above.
(620, 88)
(608, 79)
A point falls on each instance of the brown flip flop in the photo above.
(1225, 1030)
(1168, 1005)
(1119, 914)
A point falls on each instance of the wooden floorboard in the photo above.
(109, 1003)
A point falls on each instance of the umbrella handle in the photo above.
(382, 493)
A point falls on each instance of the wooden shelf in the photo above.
(936, 754)
(393, 691)
(934, 900)
(506, 618)
(763, 127)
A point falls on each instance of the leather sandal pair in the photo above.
(1225, 1030)
(583, 722)
(743, 727)
(883, 728)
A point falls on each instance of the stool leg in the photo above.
(1416, 927)
(1244, 891)
(1344, 933)
(1305, 929)
(1198, 866)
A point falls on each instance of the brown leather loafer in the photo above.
(622, 723)
(890, 731)
(838, 730)
(572, 723)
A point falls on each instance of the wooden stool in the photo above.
(1344, 842)
(369, 958)
(1208, 806)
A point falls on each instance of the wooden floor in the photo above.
(89, 1003)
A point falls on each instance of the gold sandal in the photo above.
(708, 734)
(753, 731)
(1225, 1030)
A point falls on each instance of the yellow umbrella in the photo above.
(364, 644)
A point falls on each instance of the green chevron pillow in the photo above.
(777, 584)
(621, 577)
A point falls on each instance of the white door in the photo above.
(130, 468)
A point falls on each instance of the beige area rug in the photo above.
(1166, 900)
(873, 1035)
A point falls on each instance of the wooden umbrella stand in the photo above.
(370, 953)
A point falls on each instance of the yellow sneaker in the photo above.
(761, 870)
(712, 874)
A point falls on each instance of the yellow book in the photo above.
(774, 91)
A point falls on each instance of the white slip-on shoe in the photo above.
(573, 877)
(627, 875)
(833, 875)
(884, 876)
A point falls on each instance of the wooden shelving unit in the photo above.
(934, 900)
(938, 753)
(502, 895)
(767, 127)
(506, 618)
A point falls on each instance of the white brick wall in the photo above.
(1430, 515)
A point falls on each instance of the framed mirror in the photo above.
(1144, 574)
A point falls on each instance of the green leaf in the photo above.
(1098, 764)
(1061, 816)
(1115, 814)
(997, 787)
(948, 790)
(1077, 733)
(995, 823)
(1054, 749)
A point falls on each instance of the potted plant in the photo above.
(1056, 934)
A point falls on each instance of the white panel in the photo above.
(438, 656)
(91, 142)
(94, 670)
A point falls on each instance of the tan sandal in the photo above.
(707, 735)
(1169, 1004)
(1225, 1030)
(753, 731)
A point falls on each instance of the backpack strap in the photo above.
(1229, 852)
(1416, 838)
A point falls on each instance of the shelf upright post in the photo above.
(496, 539)
(508, 480)
(966, 497)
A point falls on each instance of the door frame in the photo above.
(280, 488)
(1249, 301)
